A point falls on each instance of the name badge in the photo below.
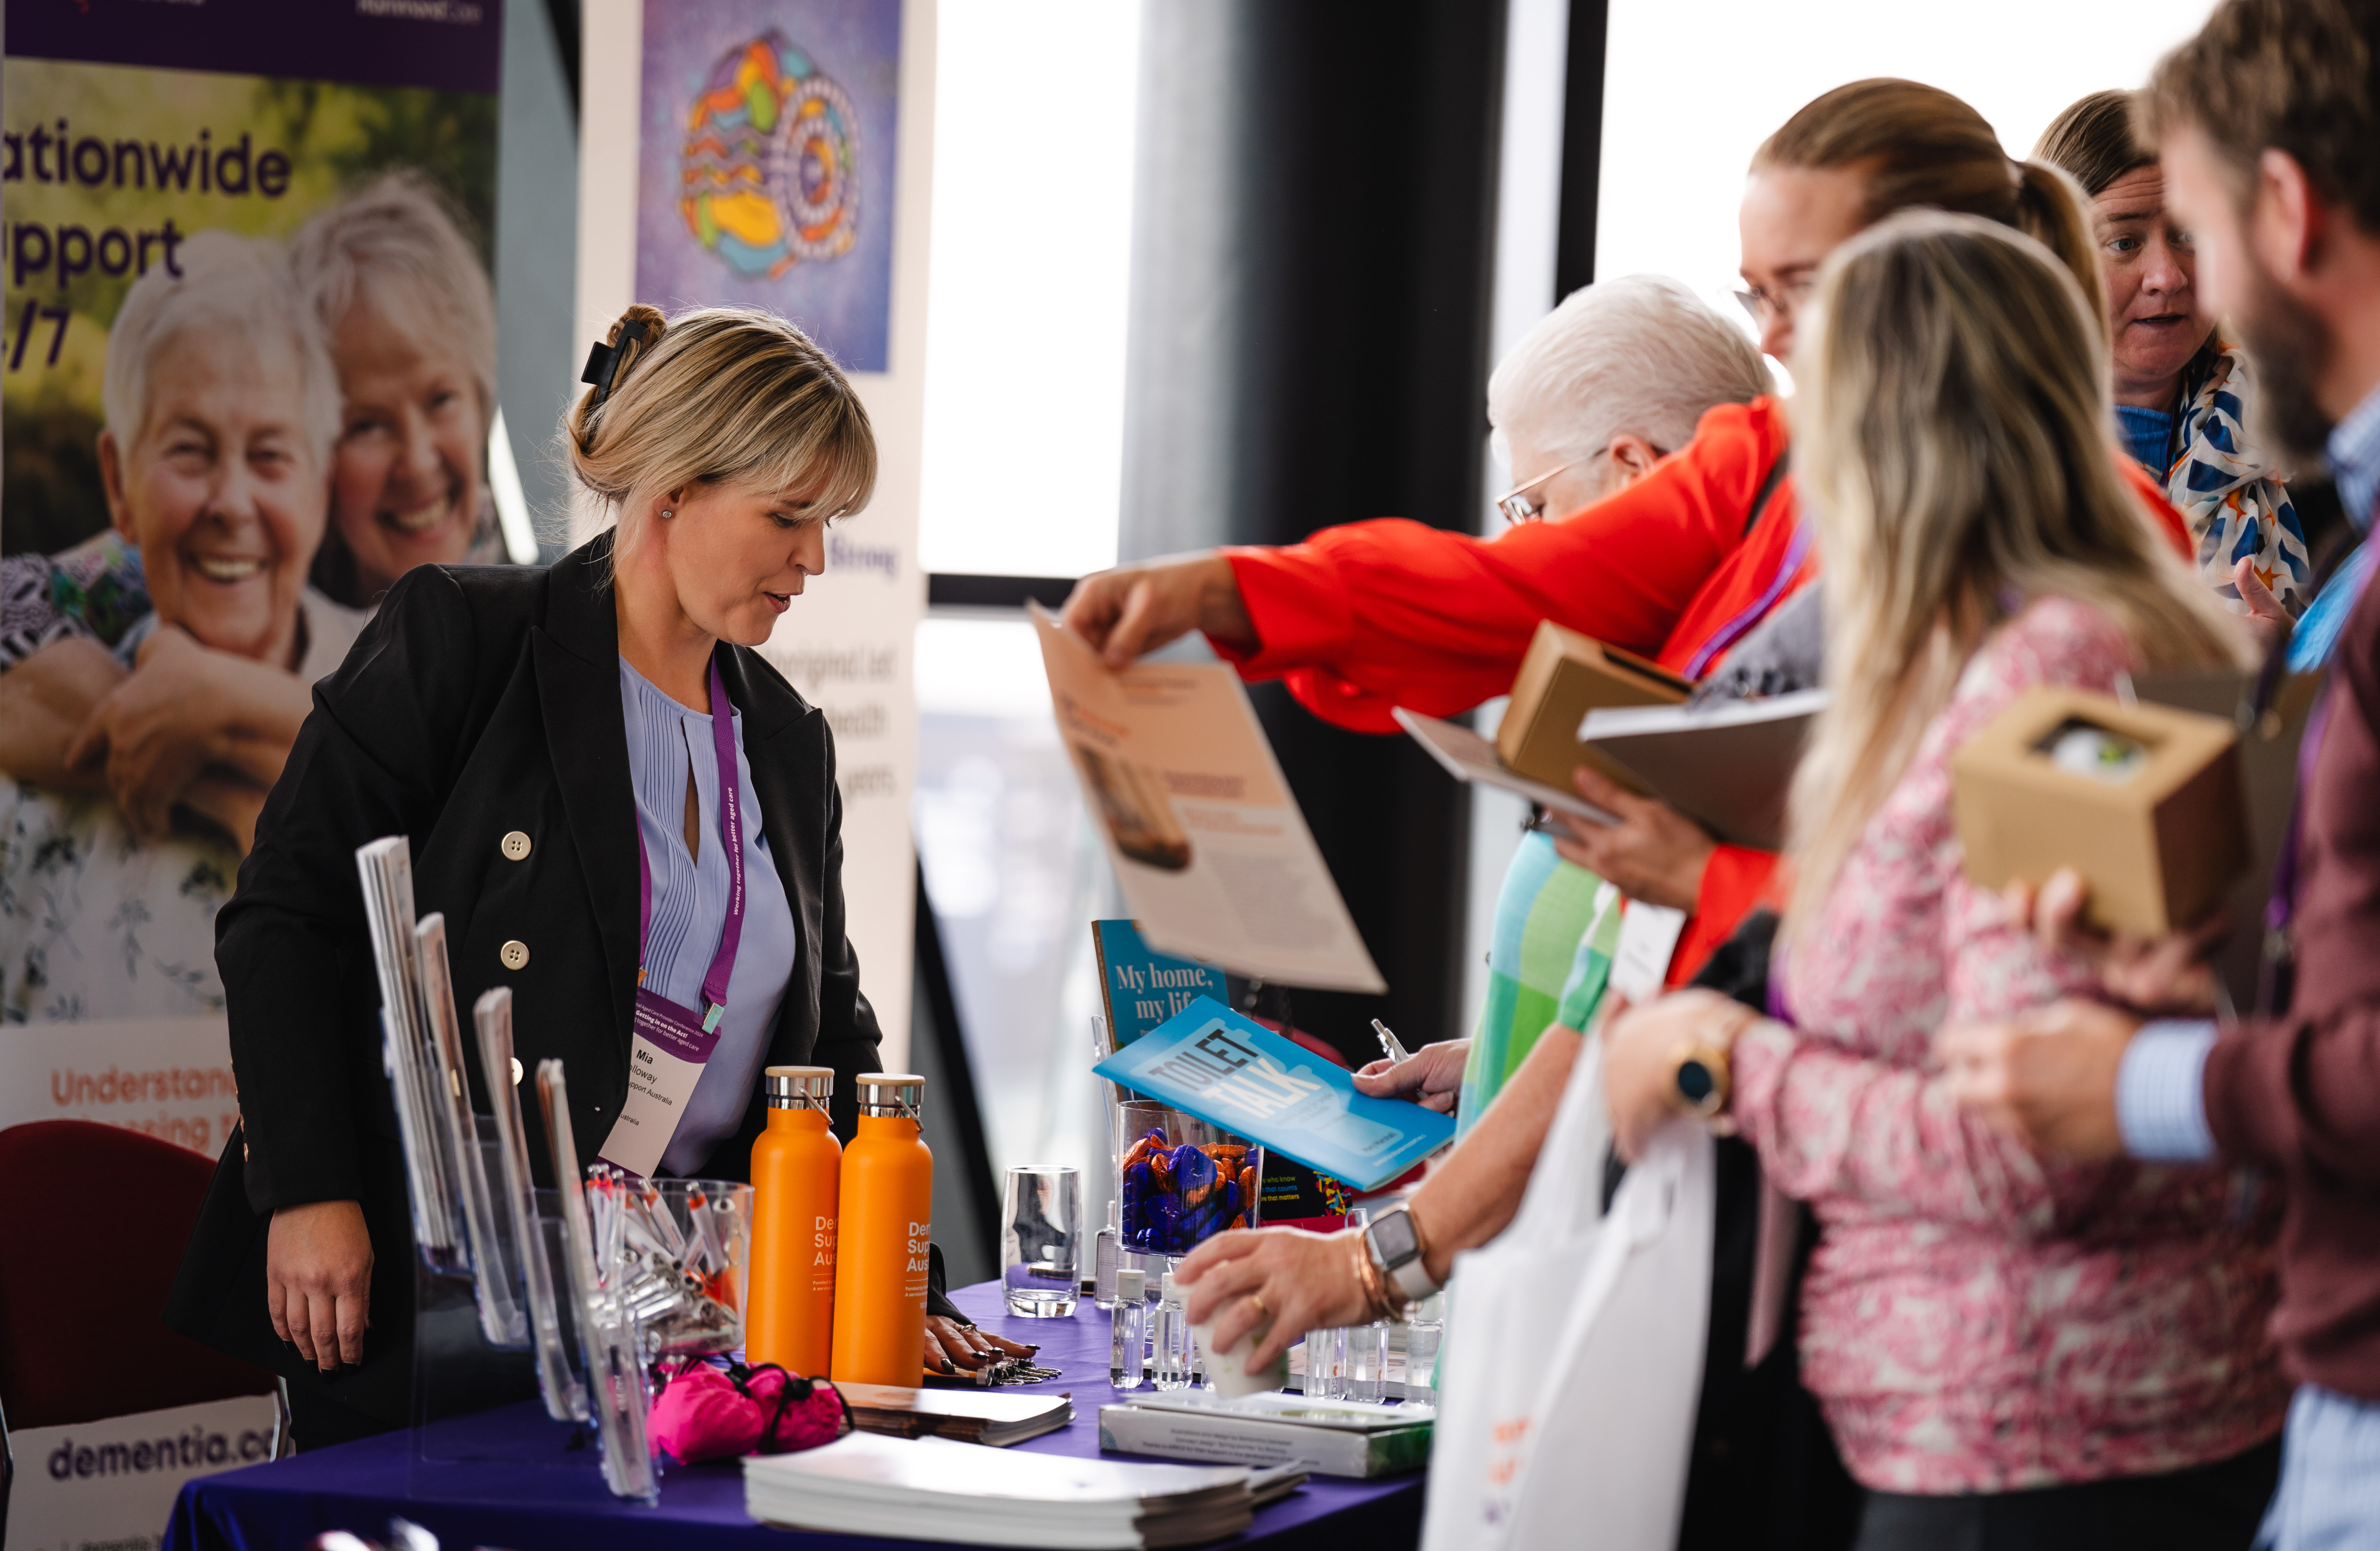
(671, 1049)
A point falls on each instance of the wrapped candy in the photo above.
(1172, 1198)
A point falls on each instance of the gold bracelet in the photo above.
(1377, 1303)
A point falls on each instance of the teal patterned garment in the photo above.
(1556, 927)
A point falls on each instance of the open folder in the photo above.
(1727, 765)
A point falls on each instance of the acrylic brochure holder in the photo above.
(481, 1336)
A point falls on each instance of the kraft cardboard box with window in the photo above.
(1565, 675)
(2144, 802)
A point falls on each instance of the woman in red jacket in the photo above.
(1366, 616)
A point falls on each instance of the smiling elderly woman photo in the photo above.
(220, 412)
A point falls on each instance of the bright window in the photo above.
(1034, 107)
(1690, 91)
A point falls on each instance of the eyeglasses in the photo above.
(1789, 296)
(1525, 503)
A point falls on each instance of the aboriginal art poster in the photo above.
(246, 372)
(765, 174)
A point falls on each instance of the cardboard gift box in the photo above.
(1565, 675)
(2144, 800)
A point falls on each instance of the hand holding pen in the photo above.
(1431, 1078)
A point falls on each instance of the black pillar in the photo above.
(1312, 264)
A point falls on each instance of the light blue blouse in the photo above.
(690, 907)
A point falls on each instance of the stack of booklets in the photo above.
(969, 1415)
(1328, 1438)
(935, 1489)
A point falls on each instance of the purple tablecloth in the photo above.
(508, 1478)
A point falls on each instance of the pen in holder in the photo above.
(618, 1392)
(564, 1396)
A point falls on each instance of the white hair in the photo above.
(1641, 355)
(226, 281)
(399, 245)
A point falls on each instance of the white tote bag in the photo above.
(1575, 1344)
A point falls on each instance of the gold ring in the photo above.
(1257, 1299)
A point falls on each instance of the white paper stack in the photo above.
(935, 1489)
(1355, 1439)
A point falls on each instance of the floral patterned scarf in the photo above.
(2228, 491)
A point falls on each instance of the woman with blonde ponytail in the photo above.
(2009, 1351)
(626, 815)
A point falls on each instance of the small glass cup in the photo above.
(1041, 1239)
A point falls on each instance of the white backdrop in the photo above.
(848, 643)
(1691, 90)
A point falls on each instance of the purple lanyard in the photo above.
(2284, 900)
(722, 964)
(1727, 635)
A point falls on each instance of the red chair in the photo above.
(93, 1221)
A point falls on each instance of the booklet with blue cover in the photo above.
(1234, 1072)
(1140, 987)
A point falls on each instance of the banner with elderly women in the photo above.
(249, 341)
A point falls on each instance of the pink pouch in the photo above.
(708, 1412)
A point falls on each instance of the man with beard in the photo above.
(2269, 129)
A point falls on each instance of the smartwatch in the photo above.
(1700, 1081)
(1395, 1249)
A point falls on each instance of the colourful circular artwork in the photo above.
(770, 172)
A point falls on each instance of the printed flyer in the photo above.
(1209, 847)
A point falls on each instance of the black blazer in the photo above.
(481, 701)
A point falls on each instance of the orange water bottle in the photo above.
(796, 1170)
(886, 1219)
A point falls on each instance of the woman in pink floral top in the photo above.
(1977, 1323)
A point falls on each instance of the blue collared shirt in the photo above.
(667, 743)
(2354, 449)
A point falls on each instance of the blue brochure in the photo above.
(1140, 987)
(1234, 1072)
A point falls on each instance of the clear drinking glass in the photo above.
(1041, 1239)
(1326, 1364)
(1423, 1335)
(1367, 1362)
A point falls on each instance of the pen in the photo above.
(1388, 1044)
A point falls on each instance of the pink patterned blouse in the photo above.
(1975, 1319)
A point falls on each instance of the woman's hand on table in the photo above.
(1654, 853)
(317, 1260)
(1133, 609)
(1272, 1284)
(1431, 1076)
(952, 1347)
(1640, 1057)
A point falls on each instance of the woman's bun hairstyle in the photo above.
(636, 334)
(717, 396)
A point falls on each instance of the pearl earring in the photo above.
(666, 514)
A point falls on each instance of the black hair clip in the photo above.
(604, 366)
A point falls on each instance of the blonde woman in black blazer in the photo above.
(487, 713)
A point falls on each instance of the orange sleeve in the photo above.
(1370, 615)
(1736, 882)
(2152, 497)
